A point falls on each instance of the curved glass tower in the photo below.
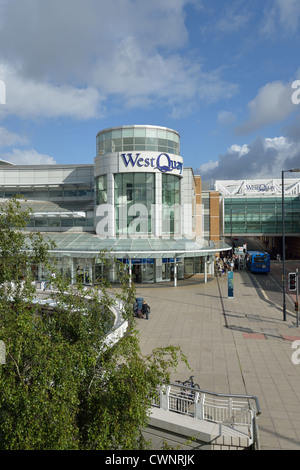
(138, 171)
(138, 138)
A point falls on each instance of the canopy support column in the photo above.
(130, 271)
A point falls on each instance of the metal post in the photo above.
(175, 272)
(293, 170)
(297, 311)
(283, 249)
(130, 271)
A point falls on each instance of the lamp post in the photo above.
(293, 170)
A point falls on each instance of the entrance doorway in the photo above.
(143, 271)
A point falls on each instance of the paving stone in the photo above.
(239, 346)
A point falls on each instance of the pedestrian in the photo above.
(220, 270)
(145, 309)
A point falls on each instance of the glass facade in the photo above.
(261, 215)
(138, 138)
(101, 189)
(170, 204)
(47, 193)
(50, 222)
(134, 195)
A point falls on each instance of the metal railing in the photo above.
(237, 411)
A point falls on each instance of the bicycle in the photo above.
(186, 395)
(190, 383)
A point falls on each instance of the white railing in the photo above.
(236, 411)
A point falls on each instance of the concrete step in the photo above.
(179, 428)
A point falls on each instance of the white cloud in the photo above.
(289, 13)
(272, 104)
(27, 97)
(232, 19)
(7, 138)
(264, 157)
(67, 58)
(281, 15)
(207, 167)
(238, 150)
(226, 117)
(27, 157)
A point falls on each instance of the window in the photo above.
(170, 204)
(138, 139)
(101, 189)
(134, 195)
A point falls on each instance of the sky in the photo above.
(221, 73)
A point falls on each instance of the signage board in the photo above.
(150, 161)
(230, 284)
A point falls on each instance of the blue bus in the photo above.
(258, 262)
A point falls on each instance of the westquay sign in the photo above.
(150, 161)
(259, 187)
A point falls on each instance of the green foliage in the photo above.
(61, 386)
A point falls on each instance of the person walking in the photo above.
(145, 309)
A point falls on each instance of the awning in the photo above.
(90, 245)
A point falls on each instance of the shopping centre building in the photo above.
(253, 208)
(136, 203)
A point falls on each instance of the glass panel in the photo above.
(56, 193)
(101, 189)
(151, 141)
(133, 188)
(163, 143)
(140, 141)
(70, 193)
(67, 222)
(127, 132)
(41, 222)
(107, 135)
(170, 200)
(29, 194)
(151, 133)
(161, 134)
(54, 222)
(140, 133)
(117, 134)
(41, 194)
(79, 222)
(108, 146)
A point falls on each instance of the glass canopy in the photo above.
(90, 245)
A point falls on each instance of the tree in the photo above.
(61, 386)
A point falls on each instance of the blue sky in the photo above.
(218, 72)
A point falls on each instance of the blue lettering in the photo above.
(163, 162)
(164, 168)
(179, 167)
(130, 159)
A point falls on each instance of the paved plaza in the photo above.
(239, 346)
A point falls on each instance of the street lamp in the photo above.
(293, 170)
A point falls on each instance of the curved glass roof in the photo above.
(90, 245)
(138, 137)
